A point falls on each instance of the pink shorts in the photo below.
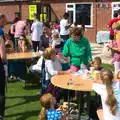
(74, 68)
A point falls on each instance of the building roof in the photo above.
(12, 0)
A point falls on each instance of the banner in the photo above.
(32, 10)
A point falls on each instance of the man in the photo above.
(2, 62)
(64, 27)
(36, 29)
(21, 29)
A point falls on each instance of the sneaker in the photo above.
(39, 93)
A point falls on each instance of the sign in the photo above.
(115, 7)
(43, 17)
(32, 10)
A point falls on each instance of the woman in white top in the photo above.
(37, 28)
(64, 27)
(110, 95)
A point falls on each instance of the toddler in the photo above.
(48, 112)
(57, 42)
(97, 62)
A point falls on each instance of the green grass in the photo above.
(108, 66)
(23, 104)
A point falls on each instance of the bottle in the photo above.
(82, 67)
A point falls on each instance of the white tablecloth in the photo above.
(102, 36)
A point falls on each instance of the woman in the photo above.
(78, 49)
(2, 78)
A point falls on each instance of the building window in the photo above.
(115, 7)
(80, 13)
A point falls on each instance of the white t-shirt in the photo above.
(37, 67)
(56, 42)
(63, 23)
(51, 68)
(37, 31)
(101, 90)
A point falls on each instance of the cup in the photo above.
(96, 75)
(92, 70)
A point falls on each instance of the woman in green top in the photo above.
(78, 49)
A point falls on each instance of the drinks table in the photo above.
(79, 84)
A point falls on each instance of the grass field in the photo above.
(23, 104)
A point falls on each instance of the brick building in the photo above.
(95, 16)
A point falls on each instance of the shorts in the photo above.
(111, 37)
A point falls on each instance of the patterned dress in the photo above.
(53, 114)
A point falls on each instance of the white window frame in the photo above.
(115, 8)
(73, 9)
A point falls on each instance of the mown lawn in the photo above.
(23, 104)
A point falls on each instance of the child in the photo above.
(48, 112)
(23, 45)
(57, 42)
(52, 65)
(110, 95)
(97, 62)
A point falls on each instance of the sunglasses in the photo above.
(22, 39)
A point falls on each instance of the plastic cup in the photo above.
(92, 70)
(96, 75)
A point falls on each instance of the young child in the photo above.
(48, 112)
(110, 95)
(23, 45)
(52, 65)
(57, 42)
(97, 62)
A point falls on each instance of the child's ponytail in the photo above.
(43, 115)
(107, 77)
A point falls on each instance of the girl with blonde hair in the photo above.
(48, 112)
(57, 42)
(109, 91)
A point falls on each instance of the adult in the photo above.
(2, 72)
(64, 27)
(36, 29)
(21, 29)
(17, 16)
(115, 19)
(78, 49)
(11, 32)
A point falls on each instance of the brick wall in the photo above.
(9, 11)
(100, 20)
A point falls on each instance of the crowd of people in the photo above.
(55, 42)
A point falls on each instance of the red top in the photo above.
(110, 25)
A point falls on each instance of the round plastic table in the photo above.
(77, 83)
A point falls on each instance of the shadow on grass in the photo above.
(27, 99)
(25, 115)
